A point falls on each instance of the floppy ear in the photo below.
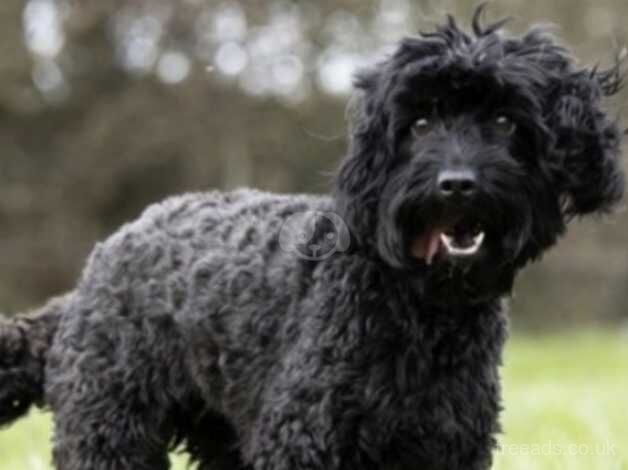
(585, 154)
(362, 173)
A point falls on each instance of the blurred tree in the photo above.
(106, 107)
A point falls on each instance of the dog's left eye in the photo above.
(504, 125)
(422, 126)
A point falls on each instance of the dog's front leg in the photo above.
(311, 413)
(305, 421)
(294, 432)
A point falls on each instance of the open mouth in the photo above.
(459, 239)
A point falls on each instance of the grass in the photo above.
(564, 402)
(565, 399)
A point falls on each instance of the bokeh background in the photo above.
(107, 106)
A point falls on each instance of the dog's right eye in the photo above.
(422, 126)
(504, 125)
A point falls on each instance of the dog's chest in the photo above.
(430, 389)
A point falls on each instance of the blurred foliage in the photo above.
(108, 106)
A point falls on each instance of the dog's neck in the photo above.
(426, 289)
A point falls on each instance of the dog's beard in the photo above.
(464, 261)
(468, 252)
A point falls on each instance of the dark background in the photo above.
(108, 106)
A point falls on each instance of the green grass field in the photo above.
(565, 398)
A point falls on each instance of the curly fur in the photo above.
(23, 347)
(193, 325)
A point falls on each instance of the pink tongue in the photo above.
(433, 243)
(427, 246)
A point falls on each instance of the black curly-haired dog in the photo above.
(249, 326)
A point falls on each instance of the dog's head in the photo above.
(470, 152)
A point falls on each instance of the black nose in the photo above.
(456, 183)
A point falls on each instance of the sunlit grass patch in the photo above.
(565, 403)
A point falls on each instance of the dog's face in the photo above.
(469, 154)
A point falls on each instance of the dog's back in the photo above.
(125, 337)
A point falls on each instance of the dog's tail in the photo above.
(24, 344)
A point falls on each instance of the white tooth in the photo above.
(454, 250)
